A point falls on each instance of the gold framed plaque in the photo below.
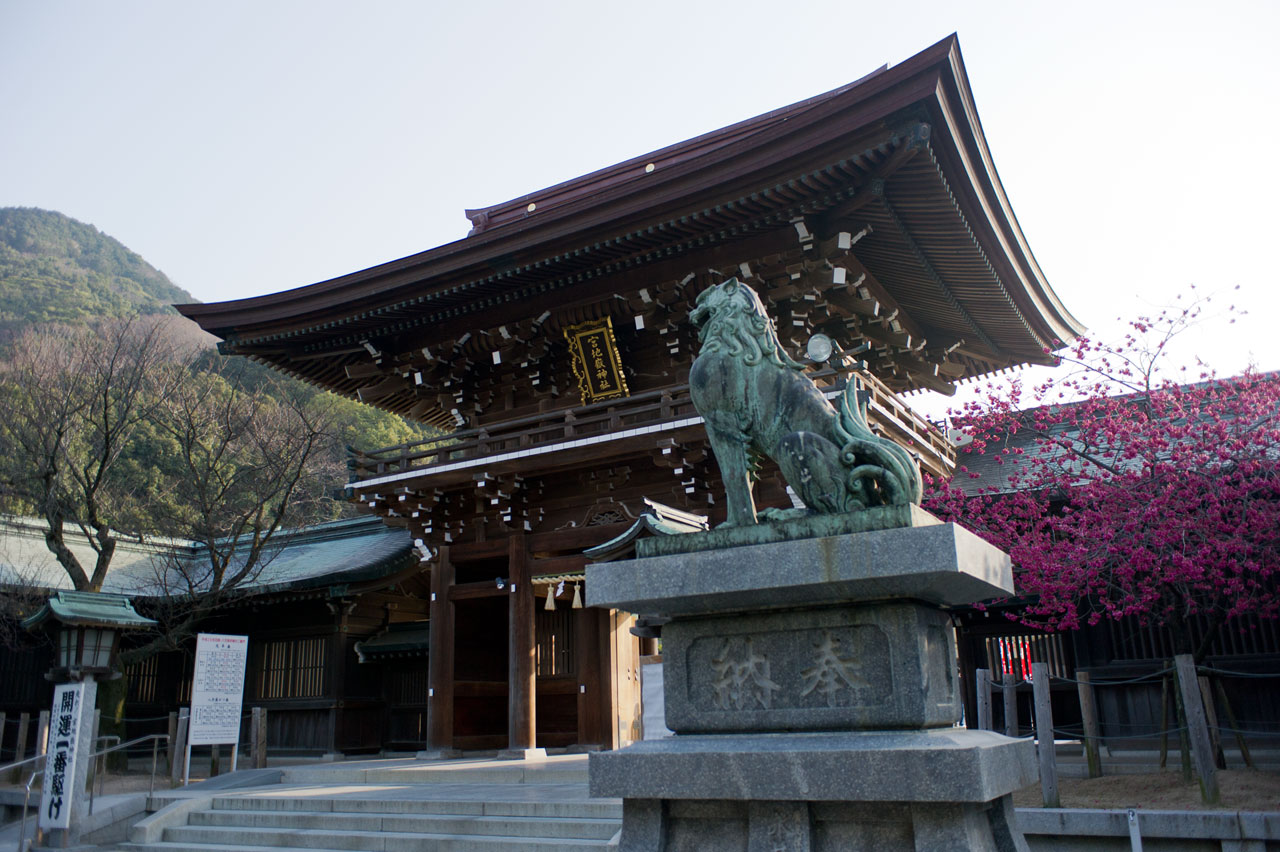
(596, 362)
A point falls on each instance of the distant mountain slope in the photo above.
(56, 269)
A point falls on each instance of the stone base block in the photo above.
(953, 765)
(870, 666)
(438, 754)
(521, 754)
(940, 564)
(734, 826)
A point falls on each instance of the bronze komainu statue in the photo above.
(756, 400)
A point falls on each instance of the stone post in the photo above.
(178, 769)
(811, 684)
(42, 739)
(58, 838)
(982, 682)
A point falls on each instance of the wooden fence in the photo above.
(1193, 694)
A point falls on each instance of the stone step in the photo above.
(551, 771)
(395, 806)
(210, 838)
(205, 847)
(609, 809)
(436, 823)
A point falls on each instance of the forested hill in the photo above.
(56, 269)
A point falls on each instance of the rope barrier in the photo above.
(1139, 679)
(144, 718)
(1080, 735)
(1249, 675)
(1244, 731)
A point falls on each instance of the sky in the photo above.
(249, 147)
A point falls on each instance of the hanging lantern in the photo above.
(551, 597)
(577, 597)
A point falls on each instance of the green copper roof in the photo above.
(89, 609)
(347, 551)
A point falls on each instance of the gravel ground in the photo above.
(1242, 789)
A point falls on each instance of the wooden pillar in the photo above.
(1045, 749)
(1009, 692)
(522, 680)
(258, 738)
(609, 676)
(1092, 730)
(336, 685)
(1197, 728)
(20, 747)
(440, 662)
(968, 676)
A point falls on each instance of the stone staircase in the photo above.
(382, 806)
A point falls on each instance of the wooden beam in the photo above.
(386, 387)
(484, 589)
(475, 550)
(365, 371)
(575, 538)
(916, 140)
(559, 565)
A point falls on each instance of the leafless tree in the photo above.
(73, 400)
(253, 463)
(120, 430)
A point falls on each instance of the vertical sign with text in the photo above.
(217, 689)
(60, 762)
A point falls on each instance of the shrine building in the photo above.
(551, 346)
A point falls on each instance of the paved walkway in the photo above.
(555, 779)
(558, 778)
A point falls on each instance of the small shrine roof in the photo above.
(89, 609)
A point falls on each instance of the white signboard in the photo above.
(217, 690)
(60, 764)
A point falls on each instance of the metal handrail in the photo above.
(155, 753)
(22, 834)
(95, 766)
(8, 766)
(155, 747)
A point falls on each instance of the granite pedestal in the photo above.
(811, 686)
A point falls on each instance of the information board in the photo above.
(217, 689)
(60, 762)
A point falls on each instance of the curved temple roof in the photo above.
(901, 151)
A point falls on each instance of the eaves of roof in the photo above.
(735, 164)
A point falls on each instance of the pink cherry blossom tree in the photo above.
(1124, 487)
